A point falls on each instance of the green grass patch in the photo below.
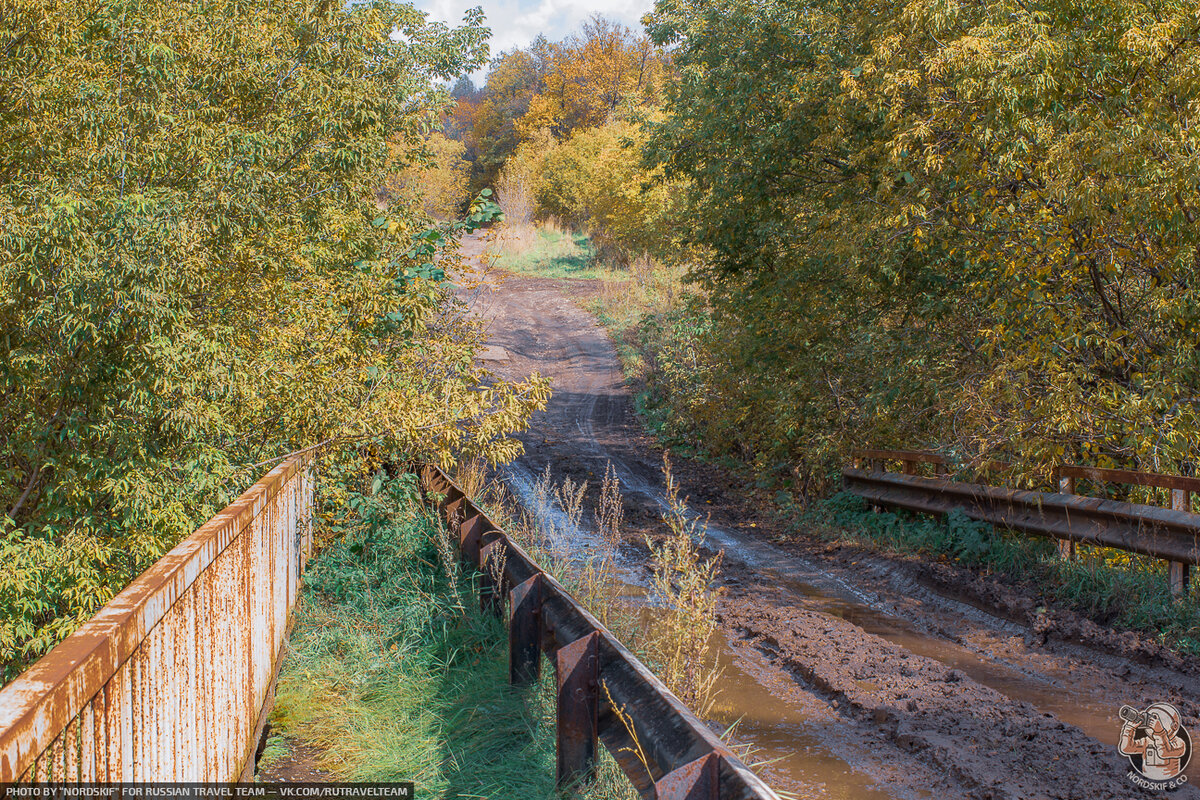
(394, 675)
(1112, 587)
(551, 253)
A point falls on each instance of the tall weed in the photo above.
(684, 583)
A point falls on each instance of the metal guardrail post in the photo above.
(525, 632)
(491, 582)
(470, 537)
(1066, 547)
(696, 780)
(454, 510)
(1178, 573)
(577, 668)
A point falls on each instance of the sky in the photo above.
(515, 23)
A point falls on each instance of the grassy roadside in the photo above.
(393, 674)
(656, 333)
(546, 251)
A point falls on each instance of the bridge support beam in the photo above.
(578, 670)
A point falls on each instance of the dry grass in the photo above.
(518, 237)
(675, 639)
(685, 583)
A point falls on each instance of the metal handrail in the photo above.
(172, 678)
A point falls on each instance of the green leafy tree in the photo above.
(196, 280)
(968, 226)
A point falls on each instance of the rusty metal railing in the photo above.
(1170, 534)
(171, 680)
(604, 693)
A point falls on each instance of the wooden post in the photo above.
(909, 467)
(1066, 547)
(1178, 573)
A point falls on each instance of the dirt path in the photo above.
(849, 670)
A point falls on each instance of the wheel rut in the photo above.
(851, 678)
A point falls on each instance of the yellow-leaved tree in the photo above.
(196, 281)
(963, 226)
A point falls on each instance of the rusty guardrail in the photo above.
(1170, 534)
(172, 679)
(599, 681)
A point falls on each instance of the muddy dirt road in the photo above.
(856, 675)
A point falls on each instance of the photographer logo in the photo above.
(1157, 744)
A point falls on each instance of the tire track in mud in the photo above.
(862, 678)
(992, 746)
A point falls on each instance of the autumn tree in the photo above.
(595, 181)
(966, 226)
(514, 79)
(590, 74)
(458, 120)
(196, 280)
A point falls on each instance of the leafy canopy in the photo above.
(196, 277)
(942, 224)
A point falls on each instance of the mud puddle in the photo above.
(799, 582)
(795, 742)
(798, 745)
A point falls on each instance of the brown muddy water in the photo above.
(797, 741)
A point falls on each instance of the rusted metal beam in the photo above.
(470, 536)
(1179, 573)
(577, 671)
(525, 632)
(695, 780)
(492, 554)
(1102, 475)
(1152, 531)
(648, 731)
(1066, 547)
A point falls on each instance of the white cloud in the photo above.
(516, 23)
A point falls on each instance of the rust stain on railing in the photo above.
(171, 678)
